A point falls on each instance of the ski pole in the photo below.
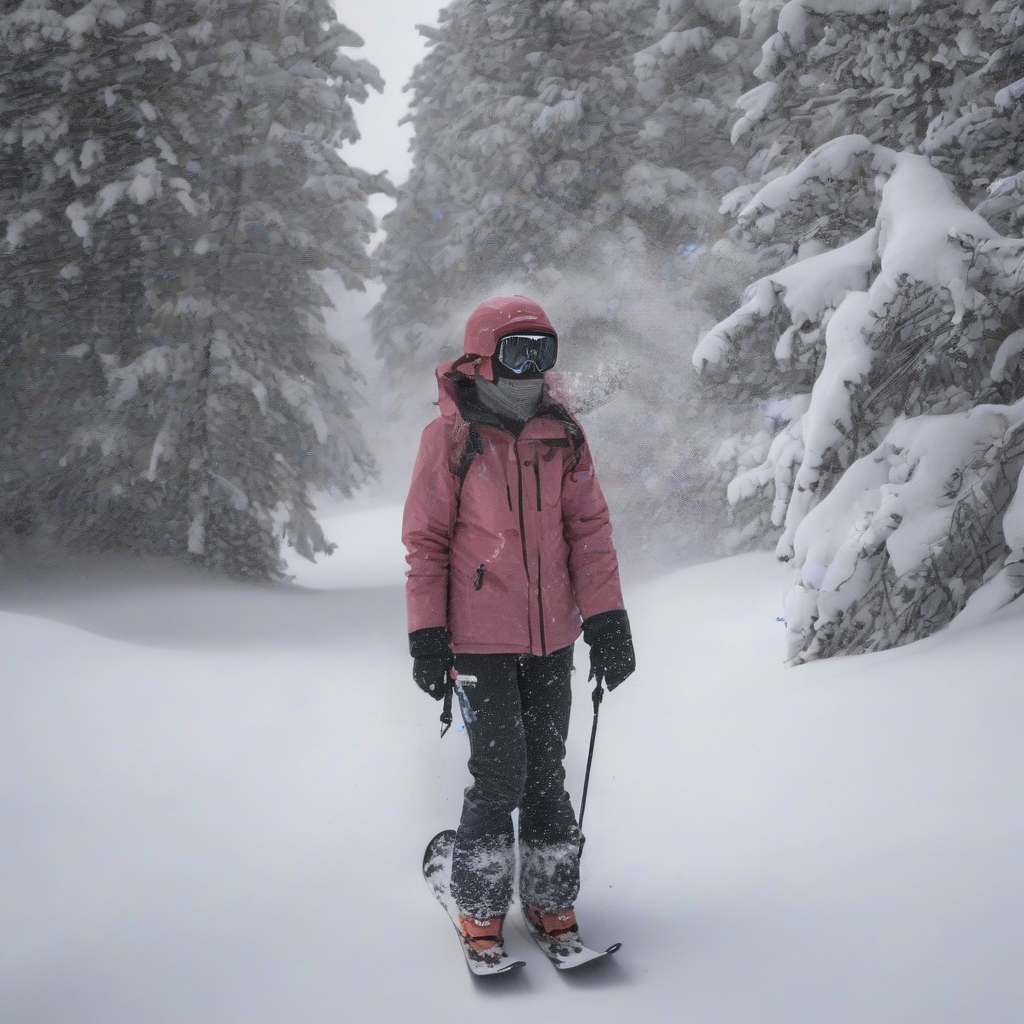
(597, 696)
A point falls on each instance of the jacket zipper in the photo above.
(540, 571)
(540, 604)
(479, 581)
(522, 537)
(508, 491)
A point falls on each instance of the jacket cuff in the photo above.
(613, 625)
(431, 642)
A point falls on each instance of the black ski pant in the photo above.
(517, 718)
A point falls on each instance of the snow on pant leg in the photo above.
(483, 862)
(549, 860)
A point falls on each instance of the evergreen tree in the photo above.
(173, 190)
(922, 77)
(979, 138)
(873, 68)
(883, 344)
(695, 67)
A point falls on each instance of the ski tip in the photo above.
(440, 844)
(585, 958)
(494, 972)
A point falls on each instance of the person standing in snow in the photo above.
(510, 552)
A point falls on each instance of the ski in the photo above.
(437, 871)
(566, 951)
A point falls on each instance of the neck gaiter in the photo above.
(516, 400)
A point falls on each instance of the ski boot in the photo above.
(551, 923)
(558, 935)
(482, 935)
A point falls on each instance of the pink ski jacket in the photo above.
(510, 559)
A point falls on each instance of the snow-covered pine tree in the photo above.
(979, 138)
(555, 137)
(699, 59)
(54, 304)
(922, 76)
(695, 67)
(885, 349)
(875, 68)
(191, 180)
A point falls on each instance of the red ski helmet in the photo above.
(491, 321)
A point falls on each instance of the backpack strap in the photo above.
(472, 447)
(461, 458)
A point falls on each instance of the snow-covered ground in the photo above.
(214, 800)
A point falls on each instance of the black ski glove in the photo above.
(612, 660)
(432, 660)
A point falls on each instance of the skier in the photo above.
(509, 548)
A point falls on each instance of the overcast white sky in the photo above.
(395, 47)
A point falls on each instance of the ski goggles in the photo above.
(520, 353)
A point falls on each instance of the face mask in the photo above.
(513, 399)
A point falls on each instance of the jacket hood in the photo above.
(447, 404)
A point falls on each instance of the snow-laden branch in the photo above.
(908, 532)
(794, 20)
(919, 220)
(806, 290)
